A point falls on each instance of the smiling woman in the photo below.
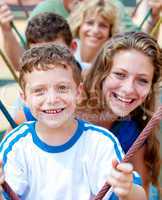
(121, 88)
(128, 85)
(92, 23)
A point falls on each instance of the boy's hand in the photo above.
(156, 6)
(6, 17)
(1, 175)
(121, 179)
(1, 179)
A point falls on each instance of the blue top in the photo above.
(126, 131)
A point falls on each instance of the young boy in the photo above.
(48, 27)
(58, 156)
(41, 29)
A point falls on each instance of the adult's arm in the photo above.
(126, 20)
(11, 45)
(143, 10)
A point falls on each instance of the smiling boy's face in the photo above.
(51, 96)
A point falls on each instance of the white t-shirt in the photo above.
(84, 65)
(75, 170)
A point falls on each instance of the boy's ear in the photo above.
(73, 46)
(79, 92)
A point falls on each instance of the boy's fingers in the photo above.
(2, 179)
(125, 167)
(0, 161)
(114, 163)
(122, 192)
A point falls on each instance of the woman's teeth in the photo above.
(123, 99)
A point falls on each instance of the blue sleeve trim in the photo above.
(5, 196)
(137, 179)
(11, 144)
(28, 114)
(111, 137)
(9, 135)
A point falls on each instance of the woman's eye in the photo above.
(90, 22)
(102, 25)
(119, 75)
(143, 81)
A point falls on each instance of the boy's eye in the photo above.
(39, 91)
(63, 88)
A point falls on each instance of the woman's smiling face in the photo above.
(129, 81)
(94, 31)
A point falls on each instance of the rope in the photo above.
(156, 27)
(12, 195)
(137, 6)
(135, 147)
(9, 66)
(7, 115)
(23, 8)
(19, 35)
(145, 18)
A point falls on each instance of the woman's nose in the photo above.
(129, 86)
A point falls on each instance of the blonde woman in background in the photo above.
(92, 23)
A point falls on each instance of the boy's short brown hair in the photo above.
(47, 27)
(45, 57)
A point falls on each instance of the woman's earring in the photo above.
(144, 117)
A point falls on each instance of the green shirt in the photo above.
(50, 6)
(58, 7)
(126, 21)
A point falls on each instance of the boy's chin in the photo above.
(55, 124)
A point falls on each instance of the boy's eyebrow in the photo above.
(58, 83)
(36, 86)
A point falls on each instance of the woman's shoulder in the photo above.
(126, 131)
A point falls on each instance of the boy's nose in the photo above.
(52, 96)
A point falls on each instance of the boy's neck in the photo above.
(56, 136)
(87, 54)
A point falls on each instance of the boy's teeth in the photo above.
(53, 111)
